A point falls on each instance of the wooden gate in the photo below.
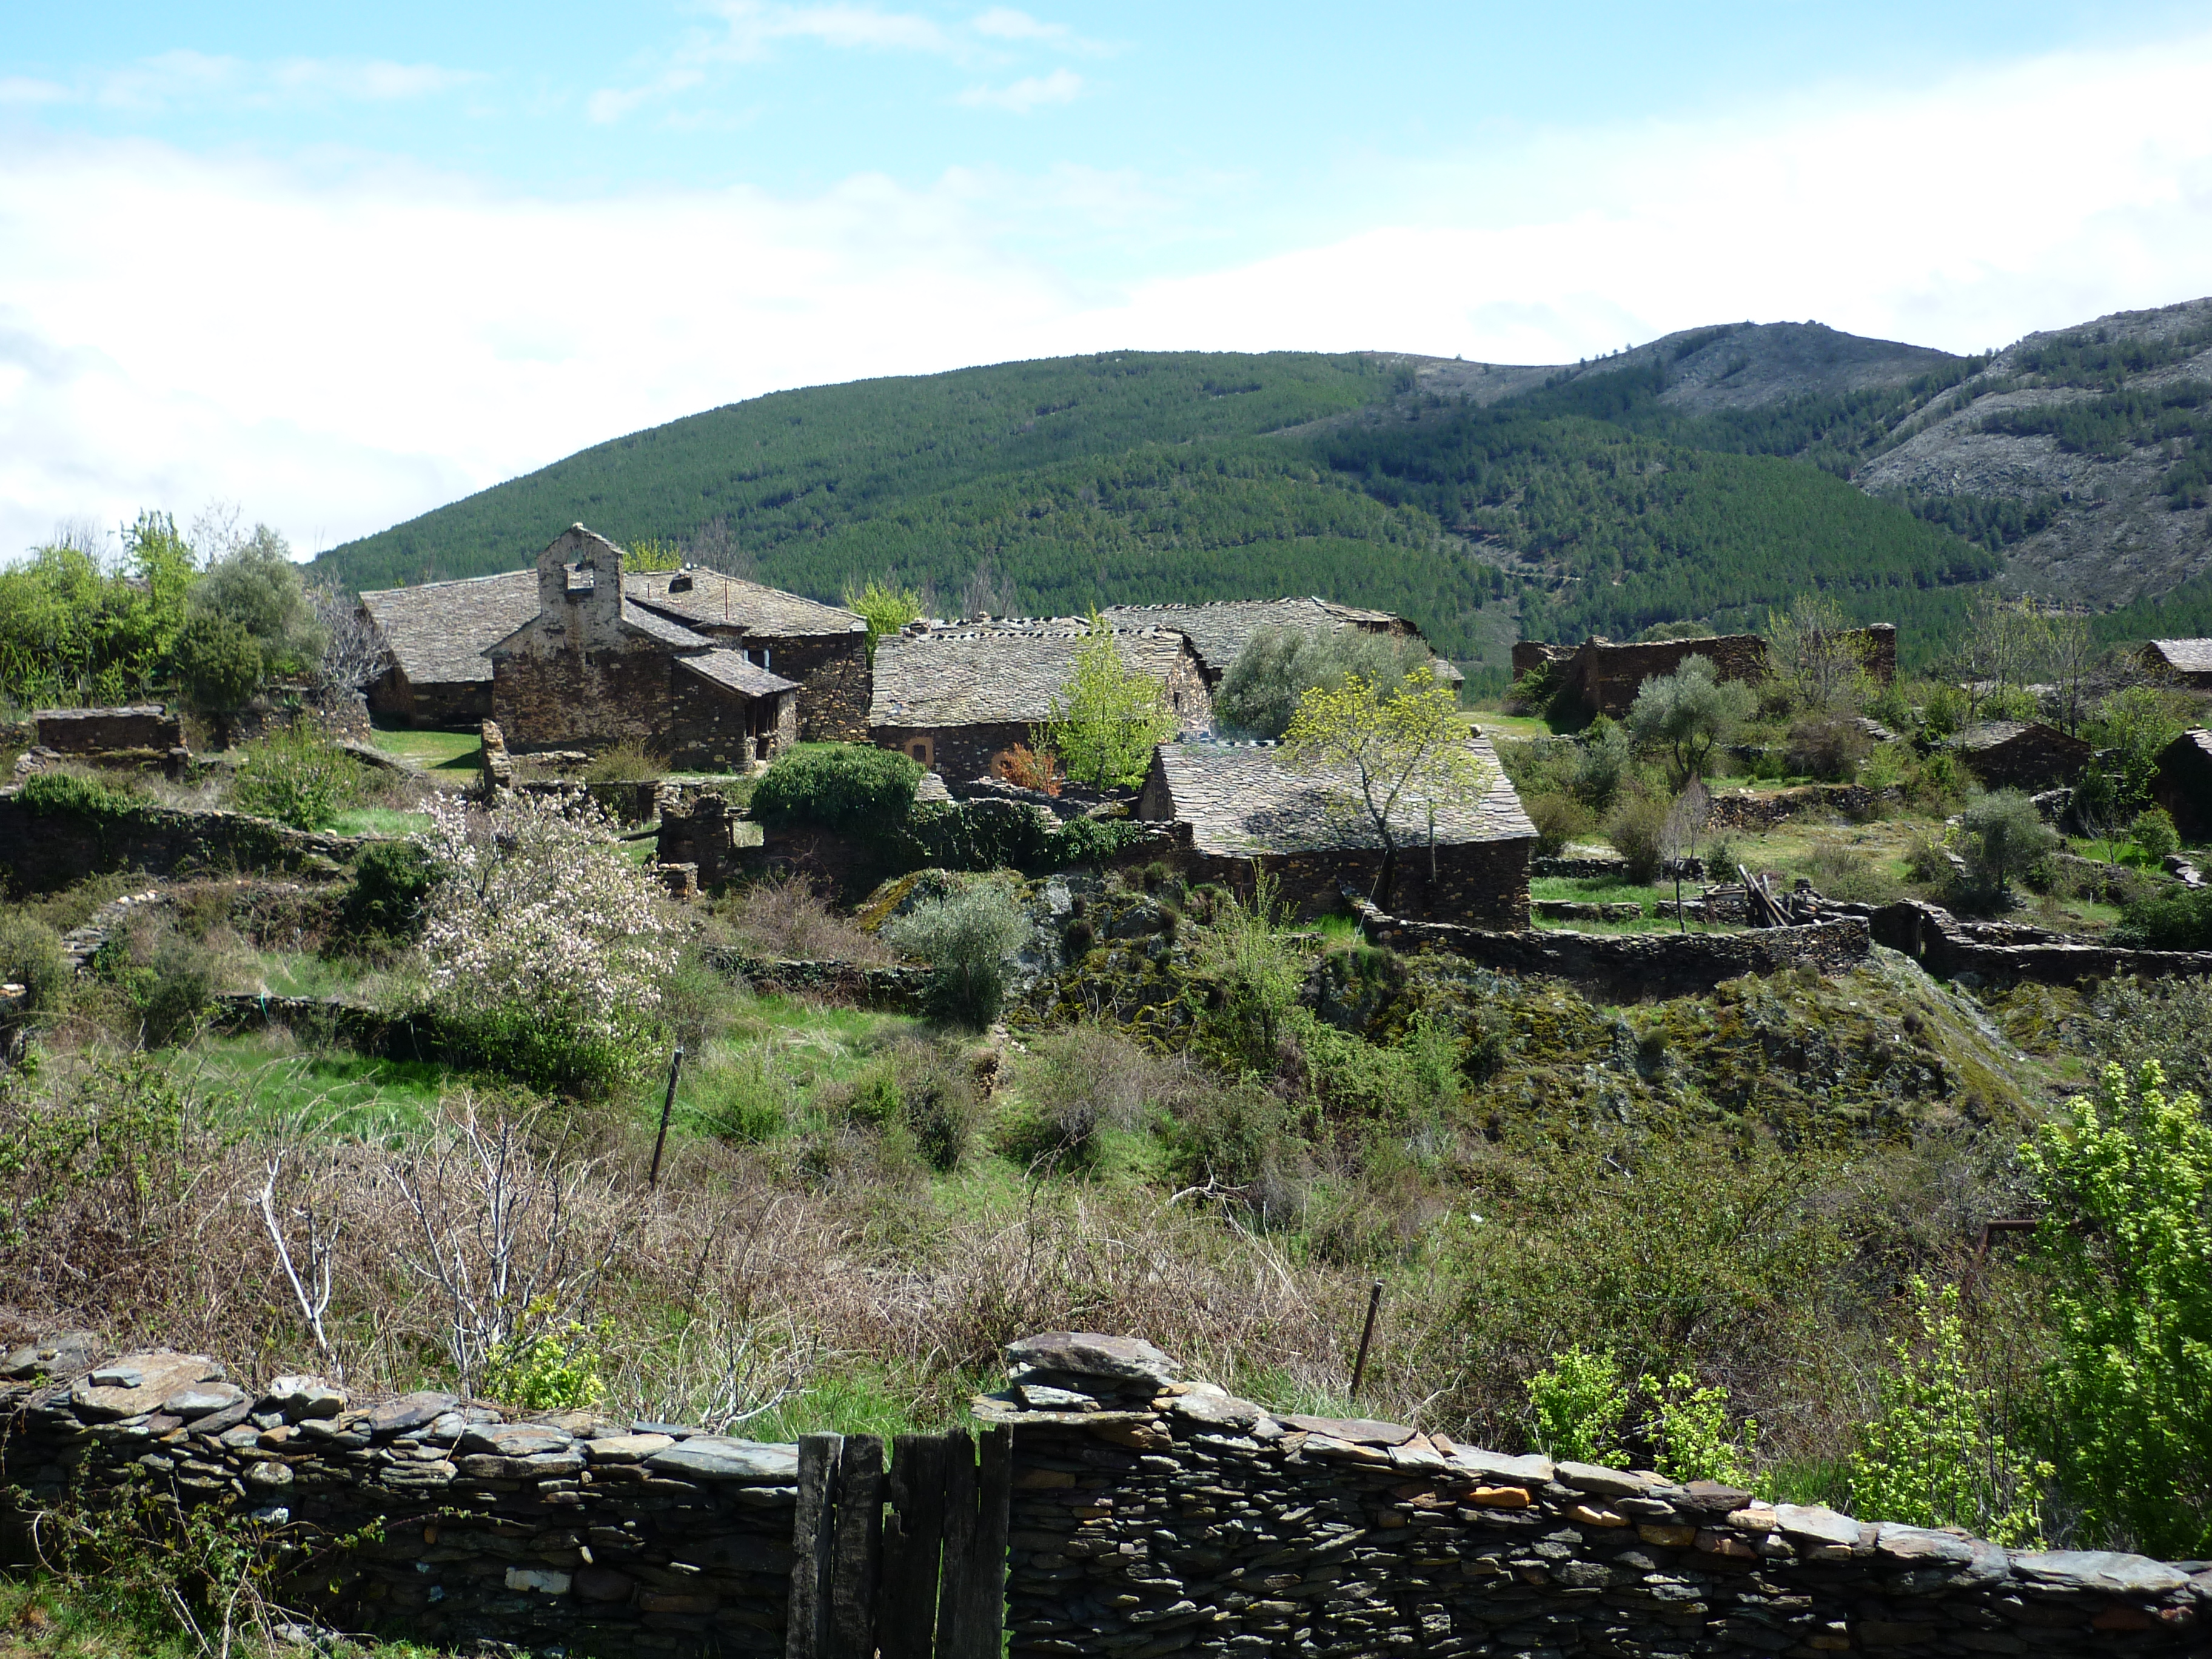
(908, 1562)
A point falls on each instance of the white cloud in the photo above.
(389, 340)
(188, 80)
(1030, 92)
(1005, 23)
(756, 24)
(21, 90)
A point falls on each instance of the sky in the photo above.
(340, 265)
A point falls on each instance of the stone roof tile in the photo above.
(2190, 656)
(439, 632)
(717, 601)
(730, 668)
(1241, 799)
(1222, 627)
(972, 674)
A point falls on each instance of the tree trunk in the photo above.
(1385, 876)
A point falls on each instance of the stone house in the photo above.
(1221, 629)
(958, 698)
(1607, 676)
(603, 660)
(2021, 755)
(436, 635)
(2183, 784)
(1244, 811)
(2181, 662)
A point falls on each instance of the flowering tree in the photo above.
(545, 945)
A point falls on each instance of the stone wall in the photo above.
(41, 852)
(1154, 1516)
(2038, 756)
(897, 986)
(133, 727)
(1631, 966)
(834, 683)
(455, 704)
(466, 1528)
(955, 751)
(712, 728)
(2183, 785)
(1606, 675)
(1151, 1514)
(1741, 810)
(553, 698)
(1996, 954)
(1476, 883)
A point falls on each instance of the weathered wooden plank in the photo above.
(914, 1539)
(995, 1489)
(806, 1630)
(856, 1552)
(958, 1626)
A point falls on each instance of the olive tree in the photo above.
(1687, 714)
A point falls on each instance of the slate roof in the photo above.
(1990, 733)
(1220, 630)
(731, 669)
(440, 631)
(717, 601)
(1240, 799)
(2189, 656)
(978, 675)
(659, 628)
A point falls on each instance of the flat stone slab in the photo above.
(139, 1382)
(69, 1351)
(204, 1399)
(1606, 1483)
(1497, 1468)
(712, 1457)
(627, 1448)
(1086, 1353)
(1357, 1431)
(515, 1439)
(303, 1397)
(410, 1411)
(1815, 1523)
(1216, 1407)
(2098, 1570)
(1921, 1546)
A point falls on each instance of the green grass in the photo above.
(266, 1082)
(296, 973)
(48, 1617)
(438, 750)
(379, 821)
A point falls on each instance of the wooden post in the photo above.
(856, 1548)
(956, 1637)
(806, 1630)
(1366, 1336)
(667, 1106)
(994, 1491)
(914, 1539)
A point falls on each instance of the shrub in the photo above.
(2154, 832)
(786, 917)
(254, 586)
(1279, 665)
(2006, 837)
(839, 786)
(1934, 1458)
(173, 992)
(218, 663)
(1692, 1435)
(1830, 746)
(31, 956)
(545, 944)
(1637, 830)
(72, 791)
(1577, 1407)
(297, 776)
(1074, 1086)
(554, 1370)
(1031, 768)
(391, 880)
(1558, 819)
(1944, 712)
(939, 1105)
(1237, 1145)
(1601, 762)
(1689, 714)
(625, 762)
(1254, 975)
(966, 938)
(2125, 1232)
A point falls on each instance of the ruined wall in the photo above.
(1633, 966)
(1996, 954)
(42, 852)
(1160, 1516)
(956, 752)
(2034, 759)
(2183, 786)
(108, 731)
(1607, 676)
(1477, 884)
(458, 704)
(619, 1537)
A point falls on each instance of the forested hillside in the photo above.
(1708, 476)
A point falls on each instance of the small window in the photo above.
(921, 753)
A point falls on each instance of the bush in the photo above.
(1602, 762)
(1237, 1145)
(1637, 830)
(1576, 1408)
(391, 880)
(72, 791)
(1074, 1086)
(2172, 918)
(966, 938)
(31, 956)
(2006, 837)
(1829, 746)
(786, 917)
(1030, 768)
(839, 786)
(2154, 832)
(297, 776)
(1689, 714)
(218, 664)
(921, 1097)
(625, 762)
(1279, 665)
(1559, 820)
(1944, 712)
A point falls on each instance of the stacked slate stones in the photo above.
(426, 1514)
(1153, 1514)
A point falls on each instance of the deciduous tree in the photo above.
(1107, 720)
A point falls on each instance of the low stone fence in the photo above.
(1152, 1515)
(899, 987)
(1630, 965)
(1743, 812)
(2001, 953)
(43, 851)
(428, 1515)
(133, 728)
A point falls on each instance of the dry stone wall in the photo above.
(1155, 1515)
